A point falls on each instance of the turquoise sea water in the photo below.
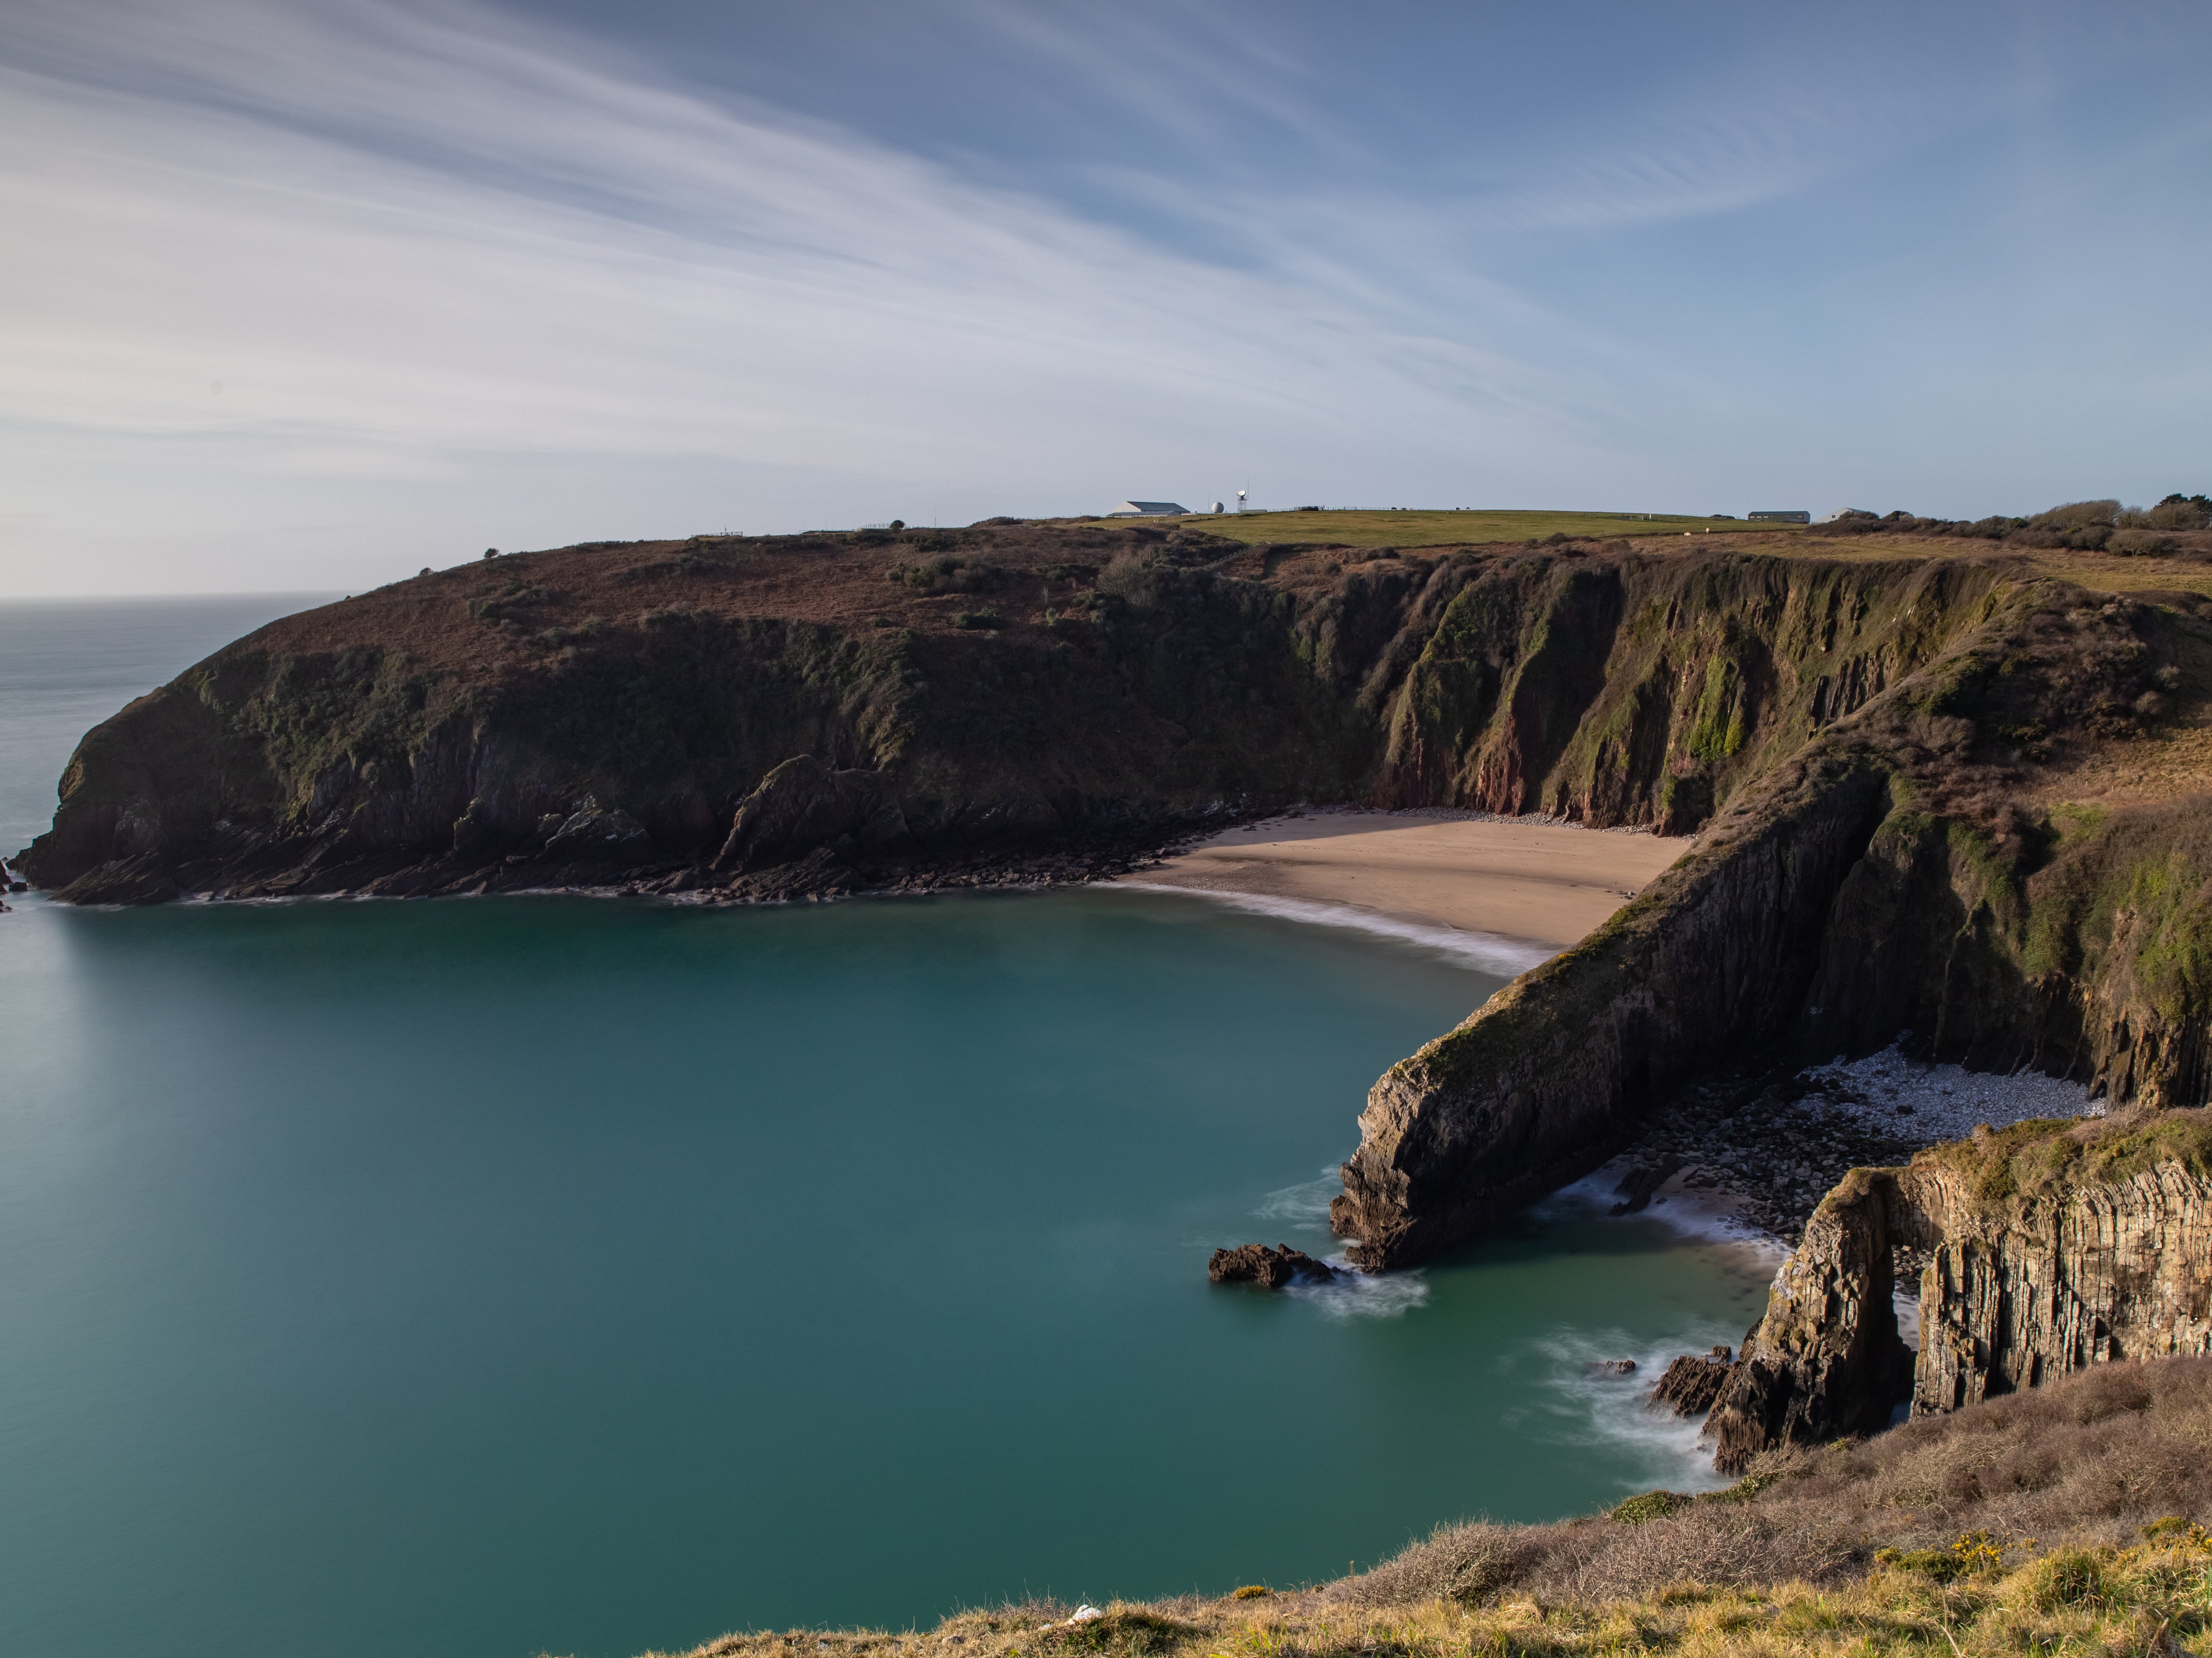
(498, 1276)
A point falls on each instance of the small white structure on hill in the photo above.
(1149, 509)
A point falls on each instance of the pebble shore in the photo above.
(1771, 1148)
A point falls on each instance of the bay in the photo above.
(558, 1274)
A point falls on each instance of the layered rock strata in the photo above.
(2049, 1248)
(1689, 1385)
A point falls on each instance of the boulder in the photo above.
(1638, 1185)
(1271, 1269)
(1691, 1383)
(803, 804)
(592, 833)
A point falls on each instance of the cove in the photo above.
(506, 1275)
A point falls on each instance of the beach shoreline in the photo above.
(1543, 884)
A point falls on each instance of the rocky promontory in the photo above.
(1901, 771)
(1911, 861)
(2050, 1248)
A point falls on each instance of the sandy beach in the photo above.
(1541, 882)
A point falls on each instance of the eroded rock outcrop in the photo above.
(1885, 877)
(1690, 1384)
(1271, 1269)
(2052, 1248)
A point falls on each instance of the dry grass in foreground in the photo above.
(2059, 1520)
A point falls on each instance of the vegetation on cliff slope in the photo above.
(438, 734)
(1913, 863)
(2069, 1519)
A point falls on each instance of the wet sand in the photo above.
(1545, 882)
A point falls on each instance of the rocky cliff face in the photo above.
(1893, 872)
(2052, 1248)
(1867, 747)
(606, 715)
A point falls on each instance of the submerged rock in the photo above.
(1271, 1269)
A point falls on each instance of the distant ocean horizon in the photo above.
(501, 1275)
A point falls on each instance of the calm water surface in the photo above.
(493, 1276)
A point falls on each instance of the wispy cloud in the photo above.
(451, 231)
(337, 240)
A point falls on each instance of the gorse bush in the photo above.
(2100, 525)
(2076, 515)
(2180, 512)
(948, 576)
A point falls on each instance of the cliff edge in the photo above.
(1921, 861)
(2052, 1248)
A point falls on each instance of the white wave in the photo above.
(1304, 1205)
(1491, 952)
(1354, 1294)
(1587, 1404)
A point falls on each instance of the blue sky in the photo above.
(311, 293)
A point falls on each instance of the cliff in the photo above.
(1914, 865)
(1876, 751)
(607, 715)
(2052, 1249)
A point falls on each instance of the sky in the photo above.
(308, 293)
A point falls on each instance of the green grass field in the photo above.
(1420, 528)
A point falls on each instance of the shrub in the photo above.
(947, 575)
(2066, 1577)
(1651, 1505)
(986, 617)
(2076, 515)
(2180, 513)
(1463, 1563)
(2140, 543)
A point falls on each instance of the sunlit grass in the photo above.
(2152, 1599)
(1418, 528)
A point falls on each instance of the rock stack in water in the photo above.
(1271, 1269)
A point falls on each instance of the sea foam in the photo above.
(1489, 952)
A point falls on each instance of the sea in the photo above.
(513, 1275)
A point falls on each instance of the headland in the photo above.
(1947, 786)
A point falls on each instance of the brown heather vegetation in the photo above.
(2066, 1519)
